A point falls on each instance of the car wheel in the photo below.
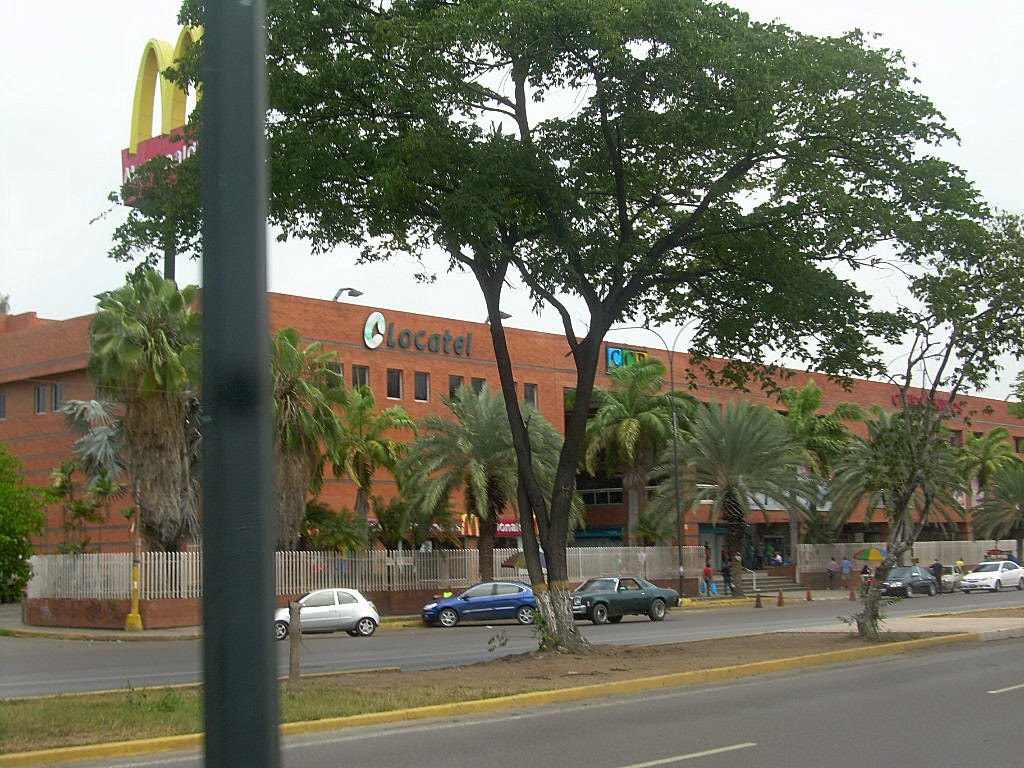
(1020, 584)
(524, 614)
(599, 614)
(931, 590)
(614, 619)
(997, 587)
(280, 630)
(909, 591)
(657, 610)
(448, 617)
(366, 626)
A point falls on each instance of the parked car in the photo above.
(951, 575)
(908, 580)
(489, 601)
(331, 610)
(993, 575)
(609, 598)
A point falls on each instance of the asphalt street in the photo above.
(34, 666)
(908, 710)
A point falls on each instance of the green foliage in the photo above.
(1001, 513)
(824, 436)
(305, 390)
(338, 532)
(21, 518)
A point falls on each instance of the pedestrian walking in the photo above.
(845, 570)
(709, 579)
(937, 573)
(832, 570)
(726, 570)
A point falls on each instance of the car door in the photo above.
(477, 602)
(630, 597)
(348, 611)
(506, 600)
(319, 611)
(1011, 574)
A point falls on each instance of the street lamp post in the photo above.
(670, 353)
(347, 292)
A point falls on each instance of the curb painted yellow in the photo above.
(515, 701)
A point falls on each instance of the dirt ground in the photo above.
(607, 663)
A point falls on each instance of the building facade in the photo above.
(410, 360)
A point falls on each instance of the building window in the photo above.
(360, 376)
(335, 374)
(530, 394)
(3, 405)
(40, 393)
(478, 384)
(421, 386)
(56, 396)
(956, 437)
(454, 385)
(394, 383)
(1018, 444)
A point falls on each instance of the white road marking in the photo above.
(1010, 688)
(693, 755)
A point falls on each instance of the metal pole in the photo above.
(240, 687)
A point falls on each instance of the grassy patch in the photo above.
(62, 721)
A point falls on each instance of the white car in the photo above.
(993, 575)
(331, 610)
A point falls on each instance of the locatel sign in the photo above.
(377, 331)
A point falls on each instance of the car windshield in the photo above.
(948, 569)
(901, 572)
(596, 585)
(986, 567)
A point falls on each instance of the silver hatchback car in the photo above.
(331, 610)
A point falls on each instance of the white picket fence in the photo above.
(180, 575)
(814, 558)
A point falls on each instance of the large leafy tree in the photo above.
(737, 457)
(630, 427)
(305, 390)
(21, 518)
(666, 157)
(985, 455)
(367, 441)
(144, 353)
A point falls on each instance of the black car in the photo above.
(908, 580)
(609, 598)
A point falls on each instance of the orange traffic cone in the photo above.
(757, 600)
(853, 595)
(782, 600)
(809, 598)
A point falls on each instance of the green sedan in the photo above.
(609, 598)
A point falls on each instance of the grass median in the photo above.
(142, 713)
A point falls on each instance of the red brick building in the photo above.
(409, 360)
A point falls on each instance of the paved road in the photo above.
(38, 666)
(889, 711)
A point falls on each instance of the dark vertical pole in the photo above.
(238, 575)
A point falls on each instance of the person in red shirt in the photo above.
(709, 579)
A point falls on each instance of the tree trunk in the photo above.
(736, 534)
(155, 436)
(485, 546)
(558, 630)
(292, 478)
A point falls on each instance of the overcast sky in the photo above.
(67, 76)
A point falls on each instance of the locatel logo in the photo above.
(378, 331)
(373, 331)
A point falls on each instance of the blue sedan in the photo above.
(489, 601)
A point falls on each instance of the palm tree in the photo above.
(1001, 513)
(365, 444)
(734, 454)
(473, 453)
(907, 468)
(632, 423)
(144, 352)
(823, 437)
(305, 388)
(985, 455)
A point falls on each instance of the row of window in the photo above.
(395, 380)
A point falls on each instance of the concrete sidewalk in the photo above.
(11, 622)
